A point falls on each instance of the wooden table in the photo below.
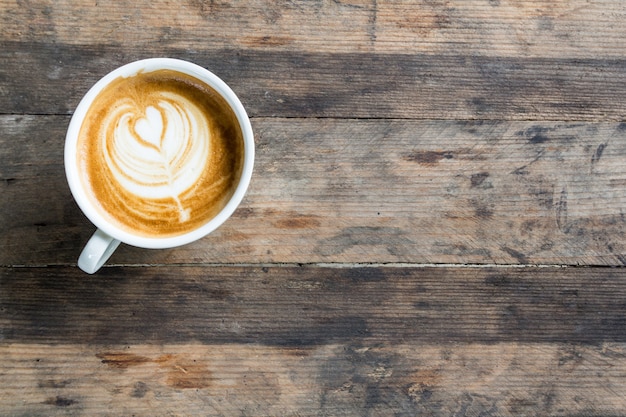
(435, 225)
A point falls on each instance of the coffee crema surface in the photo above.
(161, 153)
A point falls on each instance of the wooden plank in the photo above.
(359, 191)
(339, 85)
(540, 28)
(313, 341)
(309, 306)
(507, 379)
(400, 132)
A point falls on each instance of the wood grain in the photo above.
(507, 379)
(309, 306)
(313, 341)
(513, 28)
(487, 136)
(340, 85)
(358, 191)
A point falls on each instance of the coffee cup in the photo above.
(158, 154)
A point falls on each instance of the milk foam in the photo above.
(161, 153)
(157, 152)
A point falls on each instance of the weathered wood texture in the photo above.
(362, 191)
(313, 341)
(405, 132)
(306, 306)
(506, 379)
(485, 27)
(426, 59)
(340, 85)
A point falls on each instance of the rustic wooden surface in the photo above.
(435, 224)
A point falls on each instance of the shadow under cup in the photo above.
(127, 141)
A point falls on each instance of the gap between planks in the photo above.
(328, 265)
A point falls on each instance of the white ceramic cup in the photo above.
(107, 236)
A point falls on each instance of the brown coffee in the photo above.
(161, 152)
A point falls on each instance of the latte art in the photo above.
(163, 152)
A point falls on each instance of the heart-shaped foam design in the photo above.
(160, 151)
(150, 127)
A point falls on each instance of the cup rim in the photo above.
(72, 169)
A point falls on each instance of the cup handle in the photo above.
(98, 250)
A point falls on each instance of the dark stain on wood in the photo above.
(482, 210)
(513, 317)
(477, 180)
(53, 383)
(497, 280)
(517, 255)
(538, 138)
(122, 360)
(544, 196)
(480, 105)
(140, 389)
(244, 212)
(561, 212)
(428, 157)
(536, 134)
(598, 154)
(59, 401)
